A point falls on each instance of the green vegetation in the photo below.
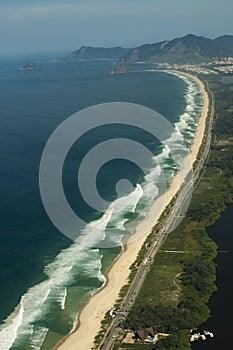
(90, 53)
(188, 49)
(106, 322)
(179, 284)
(178, 340)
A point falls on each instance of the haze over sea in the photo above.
(45, 277)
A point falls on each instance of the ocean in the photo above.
(46, 277)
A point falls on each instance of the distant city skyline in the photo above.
(41, 26)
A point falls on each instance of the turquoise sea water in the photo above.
(45, 277)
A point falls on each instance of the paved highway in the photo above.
(171, 222)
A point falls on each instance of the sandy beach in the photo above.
(92, 314)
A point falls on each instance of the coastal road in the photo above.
(171, 222)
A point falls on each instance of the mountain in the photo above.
(225, 43)
(92, 53)
(188, 49)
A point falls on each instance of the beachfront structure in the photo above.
(143, 334)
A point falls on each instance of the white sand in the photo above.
(92, 314)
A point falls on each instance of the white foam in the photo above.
(60, 273)
(100, 275)
(74, 324)
(46, 297)
(164, 154)
(94, 232)
(176, 140)
(182, 125)
(63, 299)
(9, 331)
(115, 222)
(20, 322)
(190, 98)
(129, 203)
(120, 225)
(39, 335)
(188, 120)
(150, 185)
(189, 108)
(35, 303)
(137, 195)
(185, 116)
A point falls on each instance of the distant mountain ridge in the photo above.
(89, 52)
(188, 49)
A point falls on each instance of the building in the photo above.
(143, 334)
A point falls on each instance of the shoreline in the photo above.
(91, 315)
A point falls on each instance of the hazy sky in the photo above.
(32, 26)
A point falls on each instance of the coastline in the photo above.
(93, 312)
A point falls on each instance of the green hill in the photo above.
(90, 53)
(188, 49)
